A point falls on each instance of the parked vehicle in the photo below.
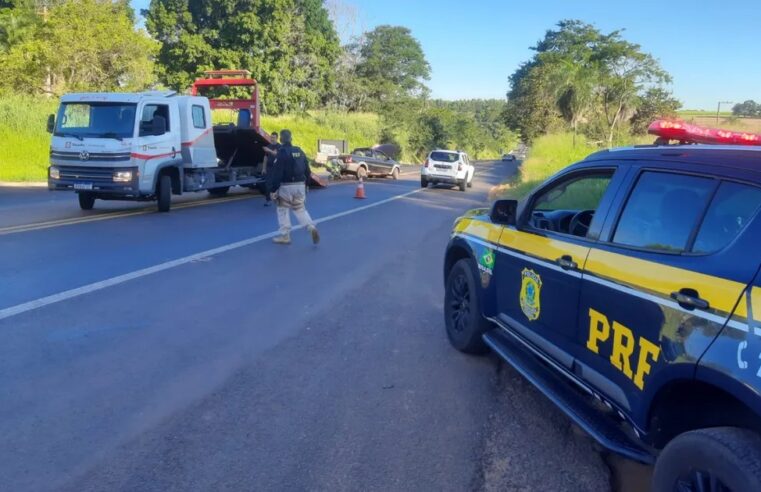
(152, 145)
(508, 157)
(451, 167)
(365, 162)
(627, 289)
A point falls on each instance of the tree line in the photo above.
(589, 82)
(748, 109)
(51, 47)
(579, 79)
(290, 46)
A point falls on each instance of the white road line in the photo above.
(120, 279)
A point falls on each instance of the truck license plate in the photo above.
(83, 186)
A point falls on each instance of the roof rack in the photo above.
(686, 133)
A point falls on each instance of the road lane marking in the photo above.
(120, 279)
(116, 215)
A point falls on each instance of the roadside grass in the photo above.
(728, 123)
(688, 113)
(25, 143)
(359, 129)
(548, 155)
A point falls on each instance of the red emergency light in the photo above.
(694, 134)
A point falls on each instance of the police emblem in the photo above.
(531, 288)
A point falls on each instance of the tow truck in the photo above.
(149, 146)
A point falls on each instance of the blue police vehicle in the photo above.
(626, 288)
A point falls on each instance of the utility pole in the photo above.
(718, 109)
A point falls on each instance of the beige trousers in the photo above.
(292, 197)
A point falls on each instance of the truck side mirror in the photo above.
(158, 125)
(51, 123)
(504, 212)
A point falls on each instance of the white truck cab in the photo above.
(148, 146)
(451, 167)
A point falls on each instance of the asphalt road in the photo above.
(185, 351)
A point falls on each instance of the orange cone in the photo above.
(360, 190)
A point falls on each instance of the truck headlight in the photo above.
(122, 176)
(55, 173)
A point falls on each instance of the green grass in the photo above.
(24, 141)
(359, 129)
(548, 155)
(686, 113)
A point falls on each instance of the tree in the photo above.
(587, 77)
(654, 104)
(748, 108)
(290, 46)
(76, 45)
(392, 64)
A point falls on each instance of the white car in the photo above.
(450, 167)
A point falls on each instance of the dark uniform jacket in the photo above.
(291, 166)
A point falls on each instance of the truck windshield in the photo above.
(96, 120)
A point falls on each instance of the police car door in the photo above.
(663, 280)
(541, 260)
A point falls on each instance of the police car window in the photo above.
(569, 207)
(733, 206)
(199, 119)
(662, 211)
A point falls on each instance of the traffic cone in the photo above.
(360, 194)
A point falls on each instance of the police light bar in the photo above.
(693, 134)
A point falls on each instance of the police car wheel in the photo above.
(464, 322)
(715, 459)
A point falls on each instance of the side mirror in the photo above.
(158, 126)
(51, 123)
(504, 212)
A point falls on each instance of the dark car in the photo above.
(364, 162)
(508, 157)
(626, 288)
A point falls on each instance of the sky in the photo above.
(711, 49)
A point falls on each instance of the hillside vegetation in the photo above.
(548, 155)
(26, 143)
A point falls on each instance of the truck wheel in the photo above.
(164, 193)
(462, 309)
(361, 173)
(395, 173)
(423, 183)
(86, 201)
(461, 184)
(217, 192)
(470, 182)
(719, 458)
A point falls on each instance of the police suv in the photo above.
(625, 289)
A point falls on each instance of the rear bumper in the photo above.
(443, 179)
(98, 180)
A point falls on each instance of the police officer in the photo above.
(270, 152)
(286, 181)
